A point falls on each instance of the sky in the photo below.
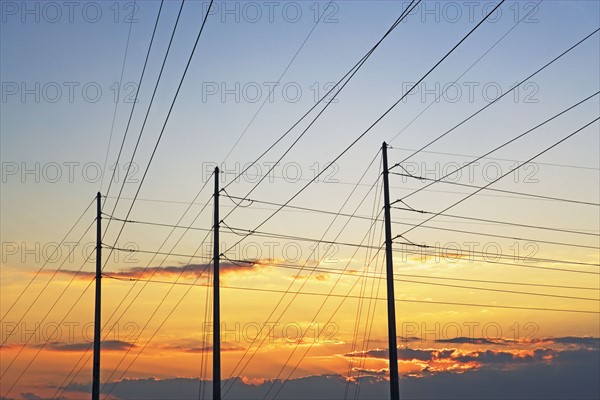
(497, 291)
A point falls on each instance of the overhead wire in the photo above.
(503, 144)
(499, 97)
(288, 289)
(348, 75)
(503, 175)
(51, 257)
(372, 125)
(135, 101)
(255, 289)
(120, 83)
(272, 87)
(525, 16)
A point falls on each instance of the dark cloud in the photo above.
(186, 271)
(505, 357)
(408, 339)
(586, 341)
(107, 345)
(465, 340)
(573, 374)
(30, 396)
(200, 347)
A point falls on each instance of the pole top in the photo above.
(98, 194)
(384, 145)
(216, 170)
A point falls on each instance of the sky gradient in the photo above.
(484, 309)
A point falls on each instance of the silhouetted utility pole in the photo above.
(389, 269)
(98, 308)
(216, 308)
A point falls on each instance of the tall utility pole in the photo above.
(216, 295)
(98, 308)
(389, 269)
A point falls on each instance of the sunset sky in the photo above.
(498, 296)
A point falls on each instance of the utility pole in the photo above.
(389, 269)
(98, 308)
(216, 295)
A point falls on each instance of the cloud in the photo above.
(185, 271)
(30, 396)
(107, 345)
(586, 341)
(449, 359)
(321, 277)
(465, 340)
(573, 374)
(197, 346)
(488, 357)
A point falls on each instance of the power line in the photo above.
(338, 271)
(502, 145)
(493, 158)
(288, 289)
(348, 74)
(499, 222)
(137, 143)
(422, 178)
(507, 237)
(114, 117)
(48, 259)
(166, 119)
(503, 175)
(53, 333)
(485, 260)
(361, 63)
(37, 297)
(359, 245)
(243, 232)
(278, 80)
(379, 118)
(501, 96)
(465, 72)
(254, 289)
(154, 253)
(135, 101)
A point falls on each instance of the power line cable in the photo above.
(46, 262)
(504, 144)
(503, 175)
(348, 75)
(499, 97)
(114, 117)
(165, 122)
(137, 143)
(553, 198)
(135, 101)
(255, 289)
(379, 118)
(288, 289)
(278, 81)
(466, 71)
